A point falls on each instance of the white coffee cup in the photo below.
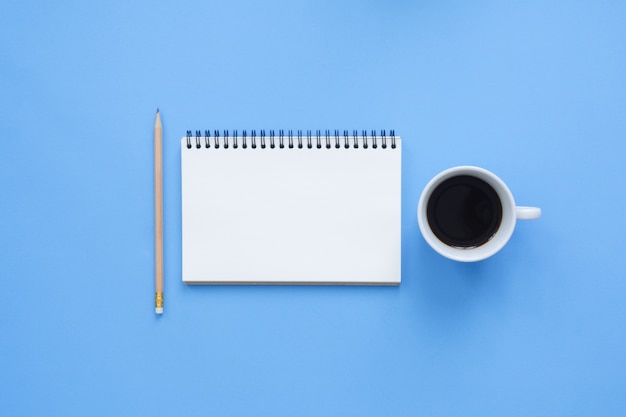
(447, 229)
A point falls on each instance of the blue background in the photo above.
(533, 90)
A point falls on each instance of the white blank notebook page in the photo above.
(291, 215)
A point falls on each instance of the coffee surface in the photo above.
(464, 211)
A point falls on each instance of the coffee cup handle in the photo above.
(527, 213)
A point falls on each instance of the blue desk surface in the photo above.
(533, 90)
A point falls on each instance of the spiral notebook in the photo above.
(291, 207)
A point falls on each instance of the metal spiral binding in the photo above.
(355, 136)
(373, 140)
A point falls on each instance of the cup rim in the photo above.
(494, 244)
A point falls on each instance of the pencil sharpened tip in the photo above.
(157, 109)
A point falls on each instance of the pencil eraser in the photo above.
(158, 310)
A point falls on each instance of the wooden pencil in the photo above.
(158, 212)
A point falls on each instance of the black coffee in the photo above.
(464, 211)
